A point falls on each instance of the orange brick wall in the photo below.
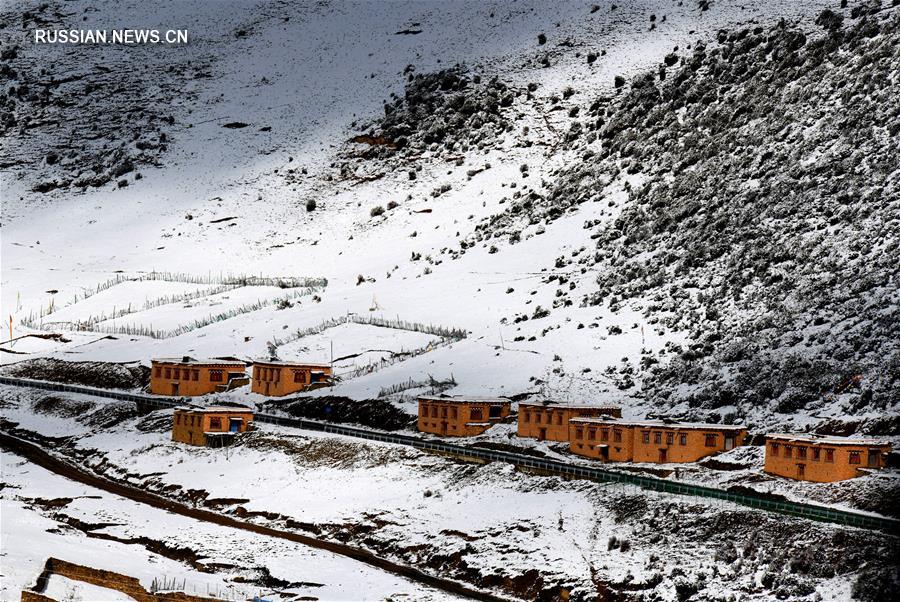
(189, 427)
(804, 464)
(551, 422)
(188, 380)
(637, 443)
(681, 445)
(274, 380)
(618, 439)
(450, 418)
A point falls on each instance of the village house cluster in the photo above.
(591, 430)
(598, 431)
(190, 377)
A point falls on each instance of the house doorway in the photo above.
(663, 456)
(801, 471)
(542, 434)
(234, 425)
(873, 458)
(267, 388)
(174, 388)
(729, 442)
(444, 427)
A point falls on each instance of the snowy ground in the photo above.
(424, 510)
(33, 531)
(274, 76)
(303, 77)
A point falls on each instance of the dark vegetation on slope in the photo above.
(447, 111)
(374, 413)
(79, 116)
(103, 375)
(792, 555)
(767, 222)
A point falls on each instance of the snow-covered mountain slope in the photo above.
(671, 244)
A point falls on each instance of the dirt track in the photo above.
(42, 458)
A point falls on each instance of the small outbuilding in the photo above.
(277, 378)
(189, 377)
(823, 459)
(550, 419)
(214, 426)
(651, 440)
(461, 416)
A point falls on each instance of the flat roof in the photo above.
(462, 399)
(561, 405)
(192, 361)
(291, 364)
(217, 409)
(826, 439)
(660, 424)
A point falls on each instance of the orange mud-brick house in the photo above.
(823, 459)
(550, 420)
(651, 440)
(461, 416)
(275, 378)
(188, 376)
(214, 426)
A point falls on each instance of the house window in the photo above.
(453, 413)
(434, 411)
(157, 372)
(801, 453)
(645, 436)
(816, 452)
(277, 375)
(657, 437)
(526, 416)
(216, 376)
(617, 436)
(604, 435)
(444, 412)
(168, 373)
(537, 417)
(710, 440)
(559, 418)
(298, 376)
(476, 414)
(773, 448)
(682, 439)
(854, 457)
(177, 418)
(788, 451)
(592, 434)
(423, 410)
(670, 438)
(196, 374)
(215, 424)
(579, 433)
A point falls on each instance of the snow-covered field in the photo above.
(118, 534)
(294, 69)
(424, 509)
(232, 155)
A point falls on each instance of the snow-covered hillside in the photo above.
(425, 168)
